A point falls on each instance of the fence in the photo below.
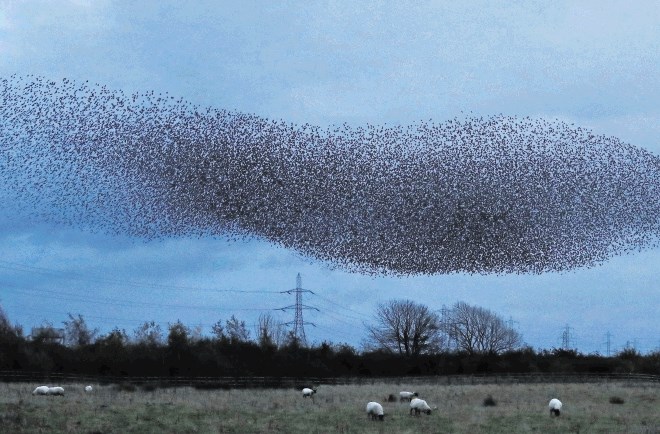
(298, 382)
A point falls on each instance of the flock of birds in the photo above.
(475, 195)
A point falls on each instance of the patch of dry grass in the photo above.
(520, 408)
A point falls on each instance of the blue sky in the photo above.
(594, 64)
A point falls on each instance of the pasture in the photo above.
(519, 408)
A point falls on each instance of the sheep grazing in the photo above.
(555, 406)
(308, 392)
(88, 389)
(375, 411)
(59, 391)
(41, 390)
(407, 396)
(419, 406)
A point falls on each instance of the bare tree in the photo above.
(478, 330)
(270, 332)
(406, 327)
(117, 338)
(218, 330)
(76, 331)
(196, 334)
(5, 325)
(46, 333)
(236, 330)
(6, 329)
(149, 333)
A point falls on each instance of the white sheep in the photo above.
(56, 391)
(88, 389)
(407, 396)
(41, 390)
(308, 392)
(555, 406)
(375, 411)
(419, 405)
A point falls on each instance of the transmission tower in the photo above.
(631, 345)
(511, 323)
(298, 322)
(609, 342)
(448, 328)
(566, 338)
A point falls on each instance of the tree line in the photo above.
(404, 338)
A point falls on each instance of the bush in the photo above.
(616, 400)
(211, 385)
(149, 387)
(126, 387)
(489, 401)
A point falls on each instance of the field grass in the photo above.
(519, 408)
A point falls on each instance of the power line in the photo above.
(62, 295)
(128, 283)
(338, 332)
(352, 319)
(338, 305)
(112, 320)
(72, 296)
(77, 276)
(69, 296)
(335, 318)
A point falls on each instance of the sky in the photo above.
(592, 63)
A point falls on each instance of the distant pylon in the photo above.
(298, 322)
(609, 336)
(566, 338)
(511, 323)
(448, 327)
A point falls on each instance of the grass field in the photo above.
(520, 408)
